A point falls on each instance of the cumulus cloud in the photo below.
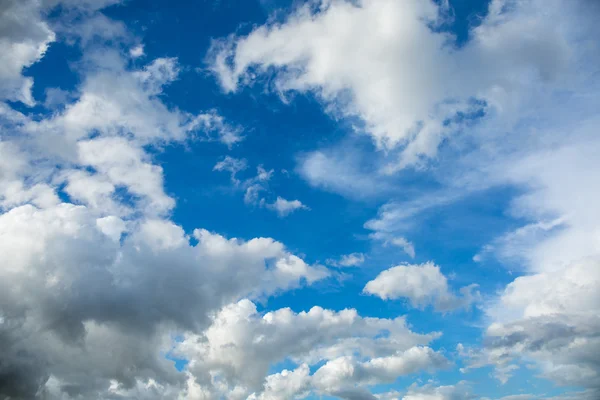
(550, 317)
(86, 289)
(24, 38)
(355, 350)
(422, 285)
(231, 165)
(386, 73)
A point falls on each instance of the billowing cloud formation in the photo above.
(66, 276)
(356, 351)
(421, 285)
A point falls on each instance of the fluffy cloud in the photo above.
(254, 186)
(354, 348)
(24, 38)
(70, 286)
(386, 70)
(340, 376)
(98, 141)
(422, 285)
(552, 318)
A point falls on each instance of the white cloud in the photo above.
(124, 164)
(217, 128)
(285, 385)
(422, 285)
(546, 316)
(70, 287)
(285, 207)
(339, 377)
(386, 72)
(137, 51)
(348, 260)
(551, 318)
(357, 351)
(233, 166)
(460, 391)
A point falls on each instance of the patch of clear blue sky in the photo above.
(276, 133)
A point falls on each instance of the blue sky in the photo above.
(276, 199)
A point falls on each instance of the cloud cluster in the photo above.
(522, 91)
(254, 186)
(349, 352)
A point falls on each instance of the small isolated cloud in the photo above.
(137, 51)
(348, 260)
(285, 207)
(257, 187)
(422, 285)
